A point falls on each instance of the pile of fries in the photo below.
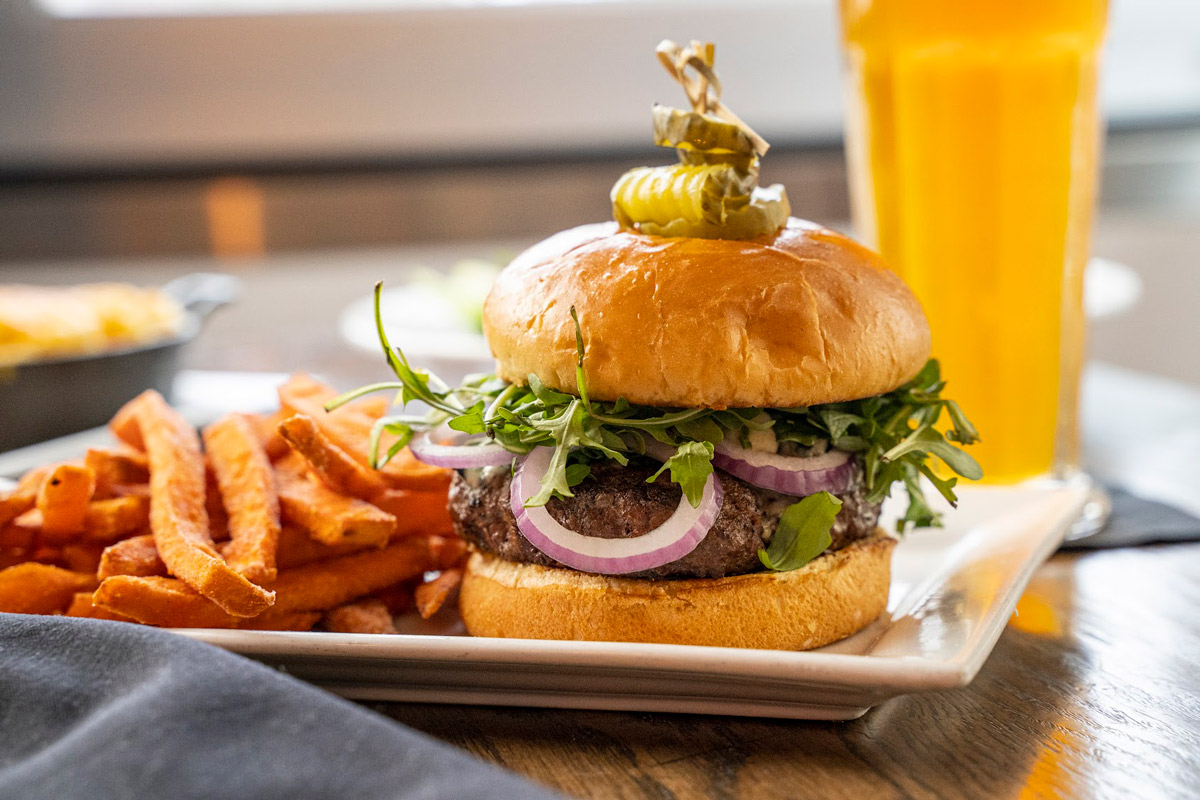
(274, 523)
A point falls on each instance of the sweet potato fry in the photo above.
(326, 584)
(303, 394)
(218, 519)
(447, 551)
(349, 427)
(24, 496)
(330, 463)
(406, 472)
(266, 427)
(130, 532)
(114, 468)
(168, 602)
(178, 518)
(134, 556)
(63, 500)
(363, 616)
(124, 425)
(297, 547)
(370, 407)
(330, 517)
(11, 556)
(165, 602)
(76, 556)
(399, 597)
(47, 554)
(82, 606)
(108, 520)
(416, 513)
(432, 595)
(40, 588)
(82, 556)
(247, 487)
(17, 535)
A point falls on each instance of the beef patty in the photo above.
(616, 502)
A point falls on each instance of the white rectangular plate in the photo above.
(953, 590)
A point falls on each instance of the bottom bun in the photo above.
(831, 597)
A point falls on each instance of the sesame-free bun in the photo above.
(806, 317)
(830, 598)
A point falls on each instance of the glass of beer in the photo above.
(973, 141)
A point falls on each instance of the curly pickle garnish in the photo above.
(712, 193)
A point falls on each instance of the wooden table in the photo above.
(1092, 691)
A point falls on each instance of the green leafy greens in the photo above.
(690, 467)
(803, 532)
(894, 435)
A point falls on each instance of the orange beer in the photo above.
(973, 139)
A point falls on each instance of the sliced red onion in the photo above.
(794, 475)
(459, 456)
(669, 542)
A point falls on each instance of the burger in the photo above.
(696, 414)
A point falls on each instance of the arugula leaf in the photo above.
(399, 427)
(580, 381)
(945, 486)
(918, 514)
(963, 432)
(702, 429)
(566, 430)
(838, 422)
(690, 467)
(929, 375)
(926, 439)
(577, 473)
(470, 421)
(547, 396)
(894, 435)
(803, 533)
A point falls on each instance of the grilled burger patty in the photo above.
(616, 502)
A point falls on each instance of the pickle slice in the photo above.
(691, 130)
(701, 194)
(744, 164)
(765, 213)
(712, 193)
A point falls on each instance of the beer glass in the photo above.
(973, 141)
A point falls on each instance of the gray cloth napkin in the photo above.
(1136, 520)
(97, 710)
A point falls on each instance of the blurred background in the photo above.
(313, 147)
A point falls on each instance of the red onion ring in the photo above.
(459, 456)
(671, 541)
(792, 475)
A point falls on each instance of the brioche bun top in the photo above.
(806, 317)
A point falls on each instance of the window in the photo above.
(96, 83)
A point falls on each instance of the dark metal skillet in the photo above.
(44, 399)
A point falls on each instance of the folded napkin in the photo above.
(92, 709)
(1136, 520)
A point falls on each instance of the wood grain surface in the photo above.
(1092, 691)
